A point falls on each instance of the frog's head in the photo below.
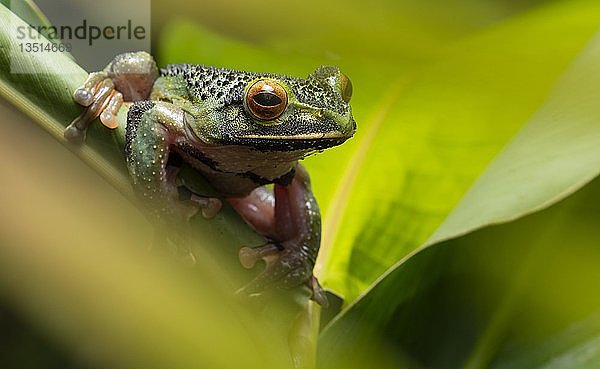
(278, 113)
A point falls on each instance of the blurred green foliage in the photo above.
(448, 225)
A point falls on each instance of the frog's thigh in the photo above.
(290, 212)
(258, 210)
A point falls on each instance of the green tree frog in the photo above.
(241, 131)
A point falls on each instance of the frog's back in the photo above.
(204, 82)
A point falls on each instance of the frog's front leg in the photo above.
(129, 77)
(152, 129)
(290, 219)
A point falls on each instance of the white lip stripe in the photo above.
(308, 136)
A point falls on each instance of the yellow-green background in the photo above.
(470, 114)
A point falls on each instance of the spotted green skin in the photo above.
(198, 113)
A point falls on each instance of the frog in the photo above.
(244, 132)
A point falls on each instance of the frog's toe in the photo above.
(318, 293)
(209, 206)
(84, 94)
(108, 117)
(73, 134)
(250, 255)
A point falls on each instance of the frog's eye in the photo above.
(346, 88)
(265, 99)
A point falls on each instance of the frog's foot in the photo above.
(284, 268)
(129, 77)
(99, 96)
(209, 206)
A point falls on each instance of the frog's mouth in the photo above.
(306, 135)
(312, 141)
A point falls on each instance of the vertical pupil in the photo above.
(267, 99)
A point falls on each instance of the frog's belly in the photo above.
(235, 171)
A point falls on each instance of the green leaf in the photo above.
(556, 153)
(430, 138)
(517, 295)
(28, 11)
(497, 296)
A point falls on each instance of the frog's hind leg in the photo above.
(291, 221)
(258, 210)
